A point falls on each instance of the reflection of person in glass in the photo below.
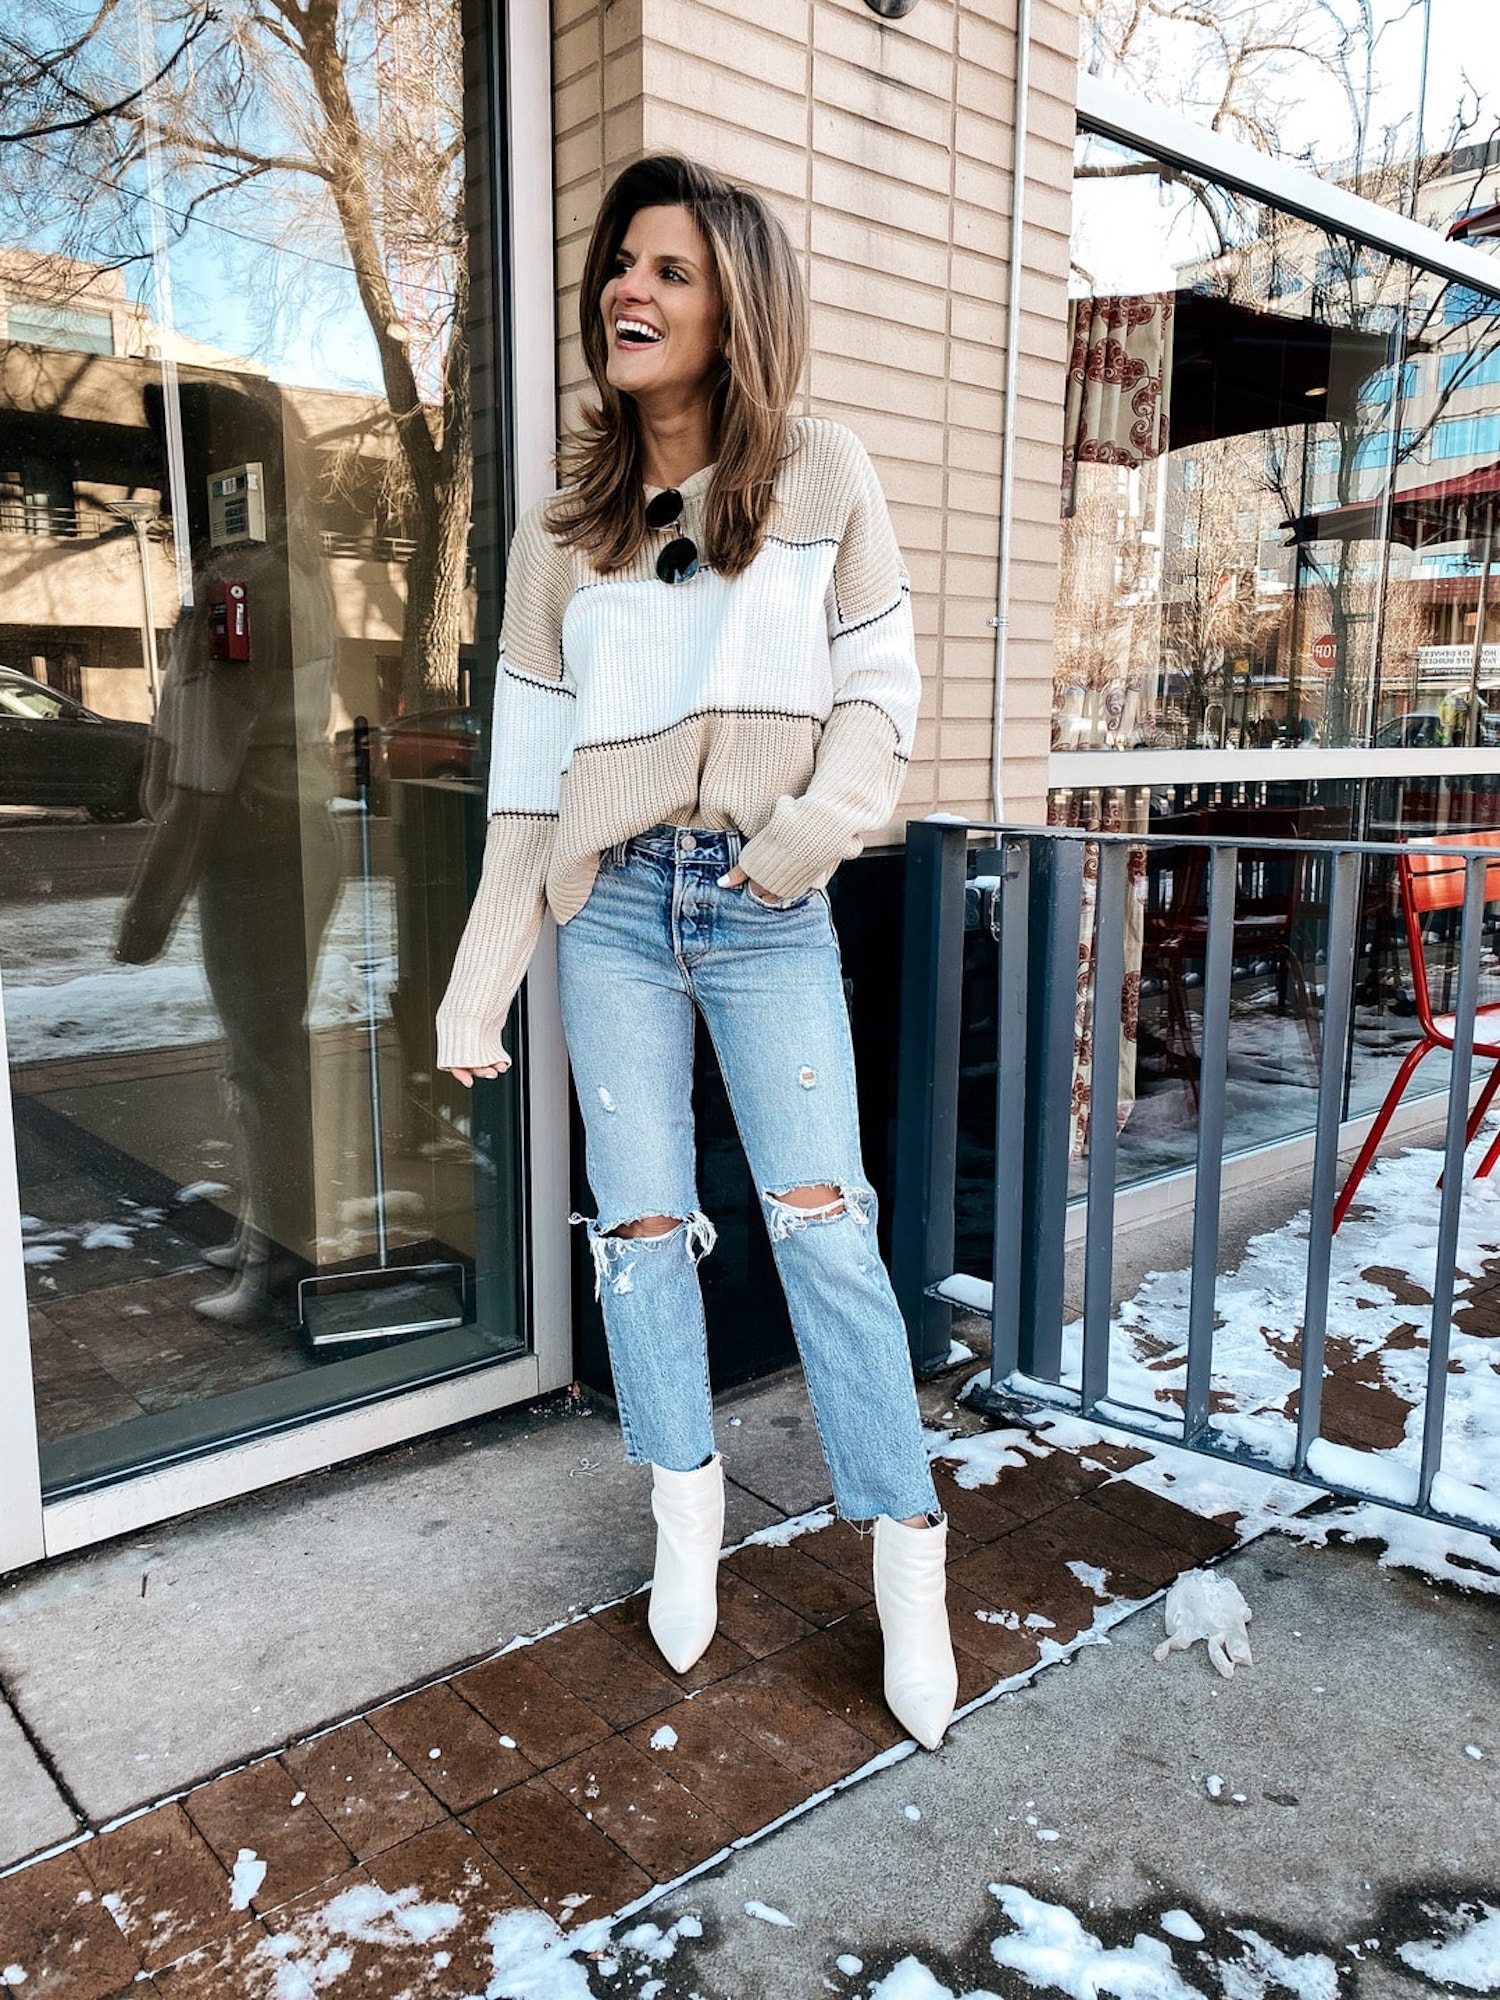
(708, 633)
(238, 784)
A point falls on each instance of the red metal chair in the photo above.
(1428, 883)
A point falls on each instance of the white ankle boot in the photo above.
(689, 1510)
(911, 1596)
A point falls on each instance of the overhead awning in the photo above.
(1238, 368)
(1446, 510)
(1164, 371)
(1481, 222)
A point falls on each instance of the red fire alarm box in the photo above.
(228, 622)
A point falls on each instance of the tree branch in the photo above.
(101, 113)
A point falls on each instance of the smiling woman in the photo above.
(689, 738)
(663, 318)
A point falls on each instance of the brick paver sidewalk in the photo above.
(576, 1773)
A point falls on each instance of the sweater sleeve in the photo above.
(866, 742)
(530, 743)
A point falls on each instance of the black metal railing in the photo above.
(1034, 903)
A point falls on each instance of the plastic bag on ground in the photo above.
(1202, 1604)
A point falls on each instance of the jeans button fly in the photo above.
(687, 843)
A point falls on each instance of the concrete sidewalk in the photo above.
(1352, 1805)
(1350, 1816)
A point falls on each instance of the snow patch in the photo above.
(531, 1959)
(105, 1236)
(1259, 1307)
(767, 1915)
(1453, 1554)
(910, 1980)
(1092, 1578)
(780, 1533)
(66, 995)
(1266, 1965)
(665, 1738)
(1178, 1924)
(1050, 1948)
(979, 1460)
(249, 1873)
(1470, 1958)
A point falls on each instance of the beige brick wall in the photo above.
(886, 147)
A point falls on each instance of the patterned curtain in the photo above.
(1119, 383)
(1106, 810)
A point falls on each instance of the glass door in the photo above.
(245, 634)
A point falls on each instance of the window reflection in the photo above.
(1281, 473)
(236, 485)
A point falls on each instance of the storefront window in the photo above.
(1280, 487)
(1281, 480)
(244, 628)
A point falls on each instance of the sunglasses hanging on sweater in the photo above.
(679, 559)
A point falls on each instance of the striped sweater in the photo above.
(780, 703)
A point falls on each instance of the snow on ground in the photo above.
(1382, 1259)
(1468, 1957)
(65, 995)
(49, 1243)
(1053, 1952)
(1046, 1945)
(1454, 1554)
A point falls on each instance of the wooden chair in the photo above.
(1269, 907)
(1429, 883)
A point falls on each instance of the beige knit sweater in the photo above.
(780, 702)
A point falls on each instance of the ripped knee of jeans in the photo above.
(617, 1258)
(789, 1218)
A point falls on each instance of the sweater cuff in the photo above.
(497, 943)
(798, 848)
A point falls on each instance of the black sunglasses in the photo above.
(679, 559)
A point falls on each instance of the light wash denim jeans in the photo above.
(657, 940)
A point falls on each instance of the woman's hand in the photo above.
(738, 879)
(466, 1076)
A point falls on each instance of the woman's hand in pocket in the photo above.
(738, 879)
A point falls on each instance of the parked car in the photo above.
(1425, 729)
(56, 752)
(443, 743)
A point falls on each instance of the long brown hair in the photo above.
(601, 508)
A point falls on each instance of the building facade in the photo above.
(268, 411)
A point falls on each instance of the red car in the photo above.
(442, 743)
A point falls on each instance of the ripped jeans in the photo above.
(657, 941)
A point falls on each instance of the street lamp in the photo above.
(140, 514)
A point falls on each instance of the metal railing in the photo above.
(1034, 906)
(81, 522)
(367, 548)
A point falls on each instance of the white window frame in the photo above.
(1115, 114)
(31, 1529)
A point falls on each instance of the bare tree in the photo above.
(330, 130)
(1210, 582)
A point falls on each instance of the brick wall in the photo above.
(886, 147)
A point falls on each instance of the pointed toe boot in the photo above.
(689, 1510)
(911, 1596)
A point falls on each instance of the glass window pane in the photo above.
(61, 326)
(234, 865)
(1264, 544)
